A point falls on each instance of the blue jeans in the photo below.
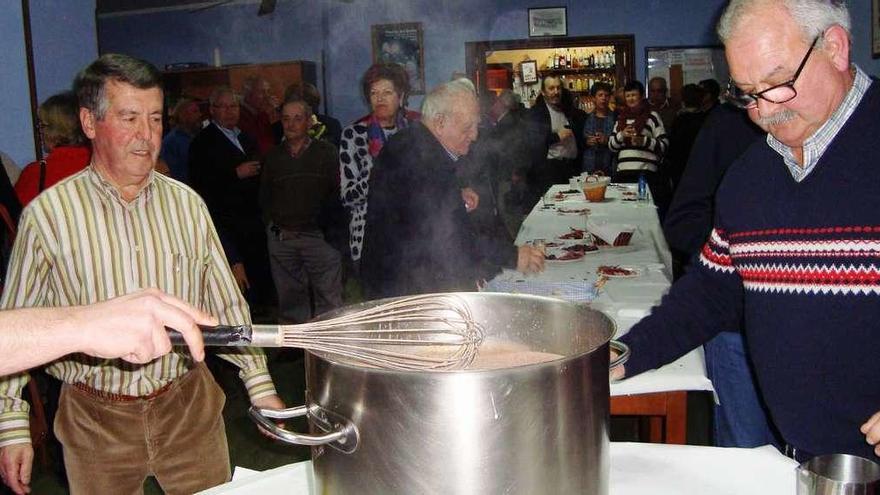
(741, 419)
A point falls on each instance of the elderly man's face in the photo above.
(127, 140)
(552, 91)
(296, 121)
(656, 92)
(226, 110)
(765, 50)
(190, 117)
(259, 94)
(459, 129)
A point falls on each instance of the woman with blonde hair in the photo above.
(63, 141)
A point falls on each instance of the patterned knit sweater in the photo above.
(799, 263)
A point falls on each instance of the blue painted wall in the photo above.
(16, 134)
(64, 41)
(303, 29)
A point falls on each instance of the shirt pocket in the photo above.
(182, 276)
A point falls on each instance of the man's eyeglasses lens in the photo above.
(780, 93)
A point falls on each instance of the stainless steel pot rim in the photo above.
(561, 362)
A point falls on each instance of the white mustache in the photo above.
(777, 118)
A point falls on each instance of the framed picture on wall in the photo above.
(875, 28)
(550, 21)
(529, 70)
(402, 44)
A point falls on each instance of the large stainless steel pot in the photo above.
(532, 429)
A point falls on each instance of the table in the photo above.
(636, 469)
(659, 394)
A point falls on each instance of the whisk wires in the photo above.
(425, 332)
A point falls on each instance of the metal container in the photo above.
(838, 474)
(540, 428)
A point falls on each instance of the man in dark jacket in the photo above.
(299, 179)
(553, 125)
(418, 237)
(223, 170)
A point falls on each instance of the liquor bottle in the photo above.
(555, 59)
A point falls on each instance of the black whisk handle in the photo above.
(219, 335)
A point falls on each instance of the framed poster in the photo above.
(529, 71)
(551, 21)
(402, 44)
(875, 28)
(681, 65)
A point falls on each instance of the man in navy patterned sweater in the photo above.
(795, 251)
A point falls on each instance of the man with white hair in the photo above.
(794, 251)
(418, 236)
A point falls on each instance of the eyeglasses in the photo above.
(382, 95)
(225, 107)
(779, 93)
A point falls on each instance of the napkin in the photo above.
(614, 234)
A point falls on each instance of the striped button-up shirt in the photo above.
(815, 145)
(80, 243)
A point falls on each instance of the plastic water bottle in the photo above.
(643, 188)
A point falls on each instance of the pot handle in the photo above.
(622, 353)
(343, 434)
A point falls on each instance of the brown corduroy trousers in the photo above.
(178, 437)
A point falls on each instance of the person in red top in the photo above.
(64, 142)
(258, 111)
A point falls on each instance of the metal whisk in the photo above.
(425, 332)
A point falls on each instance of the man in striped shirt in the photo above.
(114, 228)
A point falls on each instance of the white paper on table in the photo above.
(292, 479)
(686, 373)
(659, 469)
(240, 473)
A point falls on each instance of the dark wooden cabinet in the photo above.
(199, 82)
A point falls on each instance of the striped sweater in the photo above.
(798, 264)
(646, 156)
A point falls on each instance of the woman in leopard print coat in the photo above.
(385, 87)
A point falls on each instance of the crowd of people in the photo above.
(265, 202)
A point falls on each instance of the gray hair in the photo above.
(298, 100)
(90, 85)
(509, 99)
(220, 91)
(442, 99)
(812, 16)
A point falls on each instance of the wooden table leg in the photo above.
(663, 415)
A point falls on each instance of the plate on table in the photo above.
(562, 256)
(570, 252)
(619, 271)
(575, 235)
(562, 210)
(629, 196)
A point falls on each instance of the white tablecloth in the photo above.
(626, 300)
(636, 469)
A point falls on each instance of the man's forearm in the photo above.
(33, 336)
